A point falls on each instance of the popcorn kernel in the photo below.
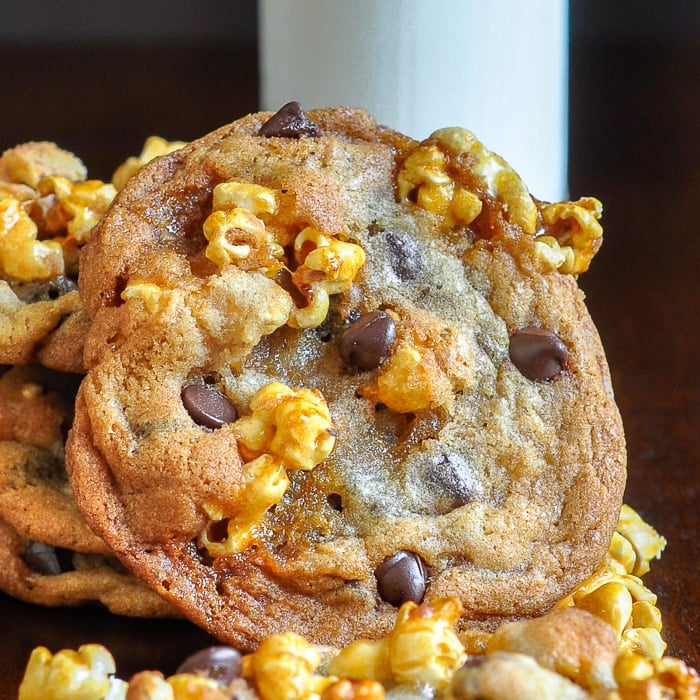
(498, 178)
(84, 674)
(283, 668)
(22, 256)
(153, 146)
(246, 195)
(293, 425)
(265, 482)
(423, 647)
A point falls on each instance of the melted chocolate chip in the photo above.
(401, 577)
(404, 255)
(47, 560)
(368, 341)
(453, 477)
(220, 663)
(289, 122)
(207, 405)
(538, 353)
(31, 292)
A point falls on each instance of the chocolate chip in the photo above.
(538, 353)
(47, 560)
(452, 476)
(220, 663)
(31, 292)
(404, 255)
(207, 405)
(368, 341)
(401, 577)
(290, 122)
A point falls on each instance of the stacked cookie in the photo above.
(48, 553)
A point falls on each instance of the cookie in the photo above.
(502, 676)
(48, 554)
(46, 324)
(332, 369)
(42, 574)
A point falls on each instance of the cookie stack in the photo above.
(49, 554)
(323, 371)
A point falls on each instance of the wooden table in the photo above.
(635, 144)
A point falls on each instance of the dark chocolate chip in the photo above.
(368, 341)
(538, 353)
(401, 577)
(31, 292)
(220, 663)
(453, 477)
(47, 560)
(404, 255)
(290, 122)
(207, 405)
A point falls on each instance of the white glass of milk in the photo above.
(497, 68)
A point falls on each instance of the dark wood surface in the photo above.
(635, 144)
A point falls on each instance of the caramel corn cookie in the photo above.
(48, 554)
(332, 369)
(43, 574)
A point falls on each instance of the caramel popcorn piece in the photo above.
(422, 648)
(22, 256)
(86, 674)
(29, 162)
(572, 234)
(287, 429)
(153, 146)
(494, 174)
(284, 668)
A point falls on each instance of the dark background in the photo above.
(98, 78)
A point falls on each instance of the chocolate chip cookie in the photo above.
(48, 554)
(332, 369)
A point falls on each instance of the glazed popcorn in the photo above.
(151, 685)
(405, 385)
(232, 234)
(286, 429)
(154, 298)
(292, 425)
(640, 678)
(424, 179)
(423, 648)
(634, 544)
(86, 674)
(327, 266)
(236, 228)
(153, 146)
(22, 256)
(572, 235)
(284, 668)
(616, 594)
(265, 483)
(246, 195)
(494, 174)
(83, 204)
